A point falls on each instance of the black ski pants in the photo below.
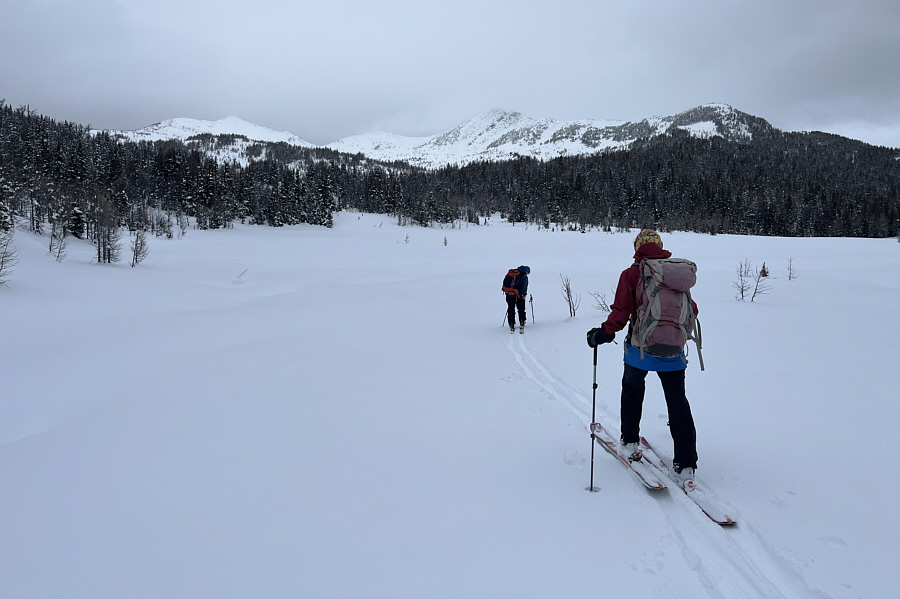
(514, 303)
(681, 422)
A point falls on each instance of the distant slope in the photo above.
(494, 136)
(184, 129)
(500, 135)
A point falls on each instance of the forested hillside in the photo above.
(88, 184)
(787, 184)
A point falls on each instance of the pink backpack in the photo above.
(665, 317)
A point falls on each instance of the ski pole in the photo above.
(593, 419)
(531, 301)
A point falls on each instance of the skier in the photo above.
(515, 288)
(670, 370)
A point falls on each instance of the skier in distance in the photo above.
(515, 288)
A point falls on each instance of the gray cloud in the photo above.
(329, 70)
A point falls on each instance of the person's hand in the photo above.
(598, 336)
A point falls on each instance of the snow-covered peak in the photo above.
(491, 136)
(708, 120)
(183, 128)
(502, 135)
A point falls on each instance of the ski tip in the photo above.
(728, 522)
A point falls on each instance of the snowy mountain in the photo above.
(237, 137)
(493, 136)
(502, 135)
(184, 129)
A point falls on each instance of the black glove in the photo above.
(598, 336)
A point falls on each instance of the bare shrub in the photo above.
(600, 302)
(760, 286)
(572, 300)
(139, 248)
(744, 272)
(792, 272)
(58, 241)
(9, 255)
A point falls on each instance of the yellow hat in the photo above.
(647, 236)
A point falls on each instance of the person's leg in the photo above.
(681, 421)
(632, 403)
(511, 310)
(520, 304)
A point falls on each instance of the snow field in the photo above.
(310, 412)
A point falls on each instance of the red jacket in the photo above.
(624, 307)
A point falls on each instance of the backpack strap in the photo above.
(694, 333)
(652, 313)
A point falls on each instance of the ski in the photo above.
(707, 504)
(645, 474)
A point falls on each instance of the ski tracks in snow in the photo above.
(563, 392)
(729, 563)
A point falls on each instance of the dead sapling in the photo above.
(572, 300)
(600, 302)
(760, 284)
(139, 248)
(742, 284)
(791, 271)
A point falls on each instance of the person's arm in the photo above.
(623, 305)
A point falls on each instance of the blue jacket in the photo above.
(520, 286)
(522, 283)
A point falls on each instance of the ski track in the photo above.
(729, 563)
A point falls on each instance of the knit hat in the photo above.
(525, 269)
(647, 236)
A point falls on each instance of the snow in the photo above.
(492, 136)
(502, 135)
(183, 128)
(704, 129)
(305, 412)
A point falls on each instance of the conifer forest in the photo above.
(88, 184)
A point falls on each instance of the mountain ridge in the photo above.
(493, 136)
(185, 128)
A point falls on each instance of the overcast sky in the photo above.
(328, 69)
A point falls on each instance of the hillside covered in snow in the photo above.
(184, 129)
(500, 135)
(493, 136)
(748, 178)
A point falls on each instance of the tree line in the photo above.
(65, 176)
(783, 184)
(74, 181)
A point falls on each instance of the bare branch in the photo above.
(743, 281)
(572, 300)
(139, 248)
(600, 302)
(9, 255)
(760, 286)
(792, 272)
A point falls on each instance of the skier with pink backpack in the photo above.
(653, 298)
